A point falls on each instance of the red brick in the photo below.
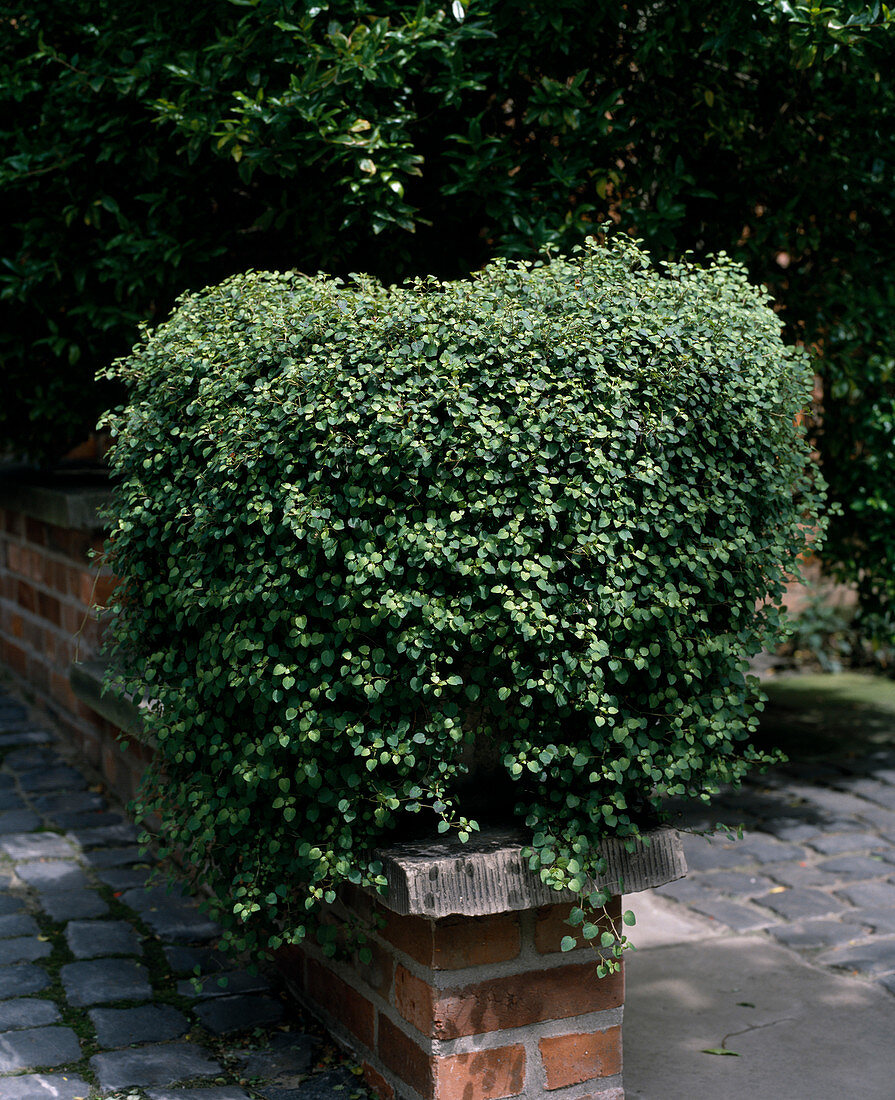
(375, 1081)
(379, 972)
(71, 544)
(49, 608)
(26, 597)
(485, 1075)
(513, 1001)
(415, 1000)
(15, 559)
(15, 626)
(572, 1059)
(551, 926)
(352, 1010)
(35, 531)
(95, 589)
(456, 942)
(14, 656)
(405, 1058)
(290, 961)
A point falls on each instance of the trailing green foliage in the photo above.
(371, 539)
(153, 148)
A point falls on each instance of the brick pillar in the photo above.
(473, 1008)
(468, 995)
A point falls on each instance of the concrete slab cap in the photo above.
(488, 874)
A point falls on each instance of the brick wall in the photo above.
(48, 587)
(470, 1008)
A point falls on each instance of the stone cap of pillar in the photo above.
(488, 874)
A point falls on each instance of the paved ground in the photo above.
(778, 948)
(91, 962)
(768, 972)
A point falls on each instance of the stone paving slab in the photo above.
(120, 1027)
(19, 981)
(92, 939)
(164, 1064)
(104, 981)
(50, 1086)
(66, 905)
(33, 1048)
(224, 1092)
(227, 1015)
(27, 1012)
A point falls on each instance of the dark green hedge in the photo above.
(366, 536)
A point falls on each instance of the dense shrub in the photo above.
(153, 148)
(545, 512)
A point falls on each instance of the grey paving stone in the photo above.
(19, 981)
(184, 960)
(23, 949)
(236, 981)
(873, 957)
(791, 830)
(171, 916)
(12, 712)
(838, 803)
(156, 1065)
(86, 819)
(19, 821)
(117, 857)
(27, 1012)
(61, 778)
(801, 904)
(30, 757)
(50, 804)
(684, 890)
(9, 800)
(216, 1092)
(125, 878)
(105, 835)
(879, 818)
(800, 875)
(832, 844)
(332, 1084)
(704, 856)
(65, 905)
(7, 781)
(21, 846)
(10, 904)
(287, 1055)
(738, 883)
(33, 1048)
(881, 793)
(227, 1015)
(45, 1086)
(92, 939)
(815, 933)
(872, 895)
(18, 924)
(768, 849)
(856, 867)
(25, 734)
(735, 916)
(103, 981)
(880, 920)
(52, 874)
(120, 1027)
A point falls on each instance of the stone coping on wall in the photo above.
(488, 873)
(444, 877)
(70, 499)
(124, 711)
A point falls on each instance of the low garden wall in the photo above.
(49, 584)
(469, 995)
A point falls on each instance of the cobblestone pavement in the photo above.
(814, 869)
(96, 990)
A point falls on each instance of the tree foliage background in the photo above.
(149, 149)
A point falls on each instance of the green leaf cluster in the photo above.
(385, 549)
